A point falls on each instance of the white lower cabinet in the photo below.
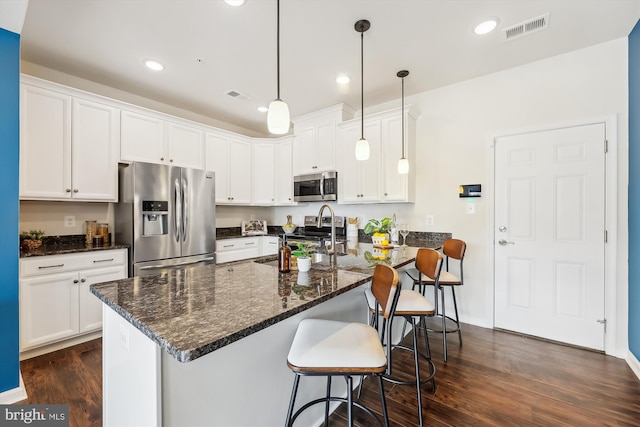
(55, 301)
(269, 245)
(228, 250)
(240, 248)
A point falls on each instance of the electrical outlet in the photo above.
(69, 221)
(429, 219)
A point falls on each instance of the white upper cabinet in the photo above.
(230, 158)
(142, 138)
(398, 188)
(377, 180)
(95, 137)
(147, 138)
(359, 181)
(68, 147)
(185, 145)
(315, 137)
(284, 172)
(264, 171)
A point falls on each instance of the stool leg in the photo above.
(455, 306)
(428, 347)
(444, 326)
(292, 402)
(383, 401)
(350, 400)
(417, 362)
(326, 405)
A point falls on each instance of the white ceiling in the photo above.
(209, 47)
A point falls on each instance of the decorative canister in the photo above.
(352, 230)
(90, 231)
(102, 229)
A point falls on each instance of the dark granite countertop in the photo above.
(61, 245)
(192, 311)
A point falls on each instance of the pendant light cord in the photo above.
(278, 44)
(362, 85)
(403, 117)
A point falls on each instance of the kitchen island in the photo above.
(207, 345)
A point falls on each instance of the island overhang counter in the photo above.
(207, 345)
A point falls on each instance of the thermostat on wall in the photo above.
(472, 190)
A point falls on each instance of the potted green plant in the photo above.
(303, 253)
(378, 229)
(31, 239)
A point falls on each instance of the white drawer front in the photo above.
(237, 244)
(37, 266)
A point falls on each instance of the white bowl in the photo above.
(289, 229)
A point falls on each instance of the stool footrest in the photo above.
(334, 399)
(434, 324)
(432, 369)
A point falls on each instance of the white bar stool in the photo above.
(331, 348)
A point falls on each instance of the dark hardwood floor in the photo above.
(494, 379)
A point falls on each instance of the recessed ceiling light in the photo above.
(486, 26)
(342, 79)
(234, 2)
(153, 65)
(263, 109)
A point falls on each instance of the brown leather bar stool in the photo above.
(452, 249)
(331, 348)
(411, 305)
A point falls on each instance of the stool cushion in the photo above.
(332, 346)
(446, 278)
(414, 303)
(409, 302)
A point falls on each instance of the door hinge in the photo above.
(604, 323)
(606, 146)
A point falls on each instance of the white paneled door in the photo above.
(550, 234)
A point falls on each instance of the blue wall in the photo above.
(634, 191)
(9, 240)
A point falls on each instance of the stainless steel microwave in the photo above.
(321, 186)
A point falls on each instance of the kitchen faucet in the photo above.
(332, 254)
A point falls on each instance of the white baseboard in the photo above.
(633, 363)
(14, 395)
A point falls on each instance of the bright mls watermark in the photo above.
(34, 415)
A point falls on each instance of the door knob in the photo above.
(503, 242)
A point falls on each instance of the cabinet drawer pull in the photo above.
(228, 246)
(41, 267)
(102, 260)
(249, 244)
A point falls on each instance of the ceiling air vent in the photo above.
(237, 95)
(527, 27)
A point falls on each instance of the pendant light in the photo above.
(362, 146)
(403, 163)
(278, 118)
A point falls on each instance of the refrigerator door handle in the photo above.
(185, 208)
(177, 214)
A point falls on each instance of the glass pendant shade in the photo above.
(362, 149)
(278, 119)
(403, 166)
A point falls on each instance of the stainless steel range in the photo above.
(319, 235)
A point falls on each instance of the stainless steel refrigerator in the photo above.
(167, 216)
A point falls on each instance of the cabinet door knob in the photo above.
(385, 194)
(84, 279)
(75, 190)
(162, 159)
(75, 281)
(171, 160)
(68, 190)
